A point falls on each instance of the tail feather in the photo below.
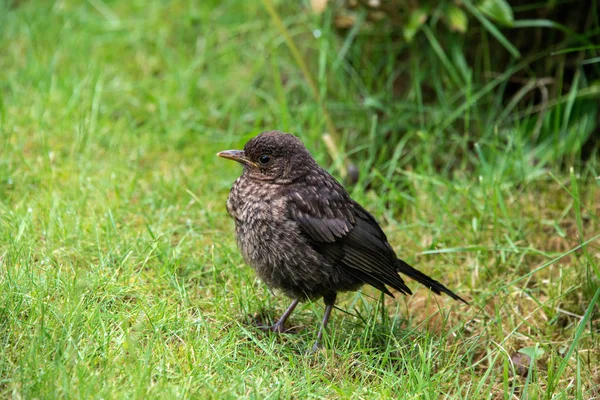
(432, 284)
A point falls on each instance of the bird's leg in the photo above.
(329, 302)
(278, 327)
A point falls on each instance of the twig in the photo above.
(332, 131)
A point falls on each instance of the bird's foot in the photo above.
(315, 348)
(278, 328)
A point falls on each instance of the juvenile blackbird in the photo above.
(303, 234)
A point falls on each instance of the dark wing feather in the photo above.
(322, 212)
(345, 233)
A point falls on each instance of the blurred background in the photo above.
(397, 84)
(469, 128)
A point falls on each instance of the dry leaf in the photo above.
(318, 6)
(344, 21)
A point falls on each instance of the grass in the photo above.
(119, 273)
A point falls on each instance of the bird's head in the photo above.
(273, 156)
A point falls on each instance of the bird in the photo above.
(303, 234)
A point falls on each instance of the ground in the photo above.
(119, 273)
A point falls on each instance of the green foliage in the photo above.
(470, 70)
(498, 10)
(119, 272)
(453, 15)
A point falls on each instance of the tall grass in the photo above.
(119, 273)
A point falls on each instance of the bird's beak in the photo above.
(236, 155)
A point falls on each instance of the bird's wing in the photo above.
(345, 233)
(323, 212)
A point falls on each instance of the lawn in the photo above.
(119, 272)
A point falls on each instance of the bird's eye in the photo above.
(264, 159)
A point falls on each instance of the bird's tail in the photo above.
(432, 284)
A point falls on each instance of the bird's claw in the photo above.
(277, 328)
(315, 348)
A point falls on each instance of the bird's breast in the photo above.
(271, 242)
(249, 202)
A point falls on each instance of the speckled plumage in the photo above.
(301, 231)
(271, 242)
